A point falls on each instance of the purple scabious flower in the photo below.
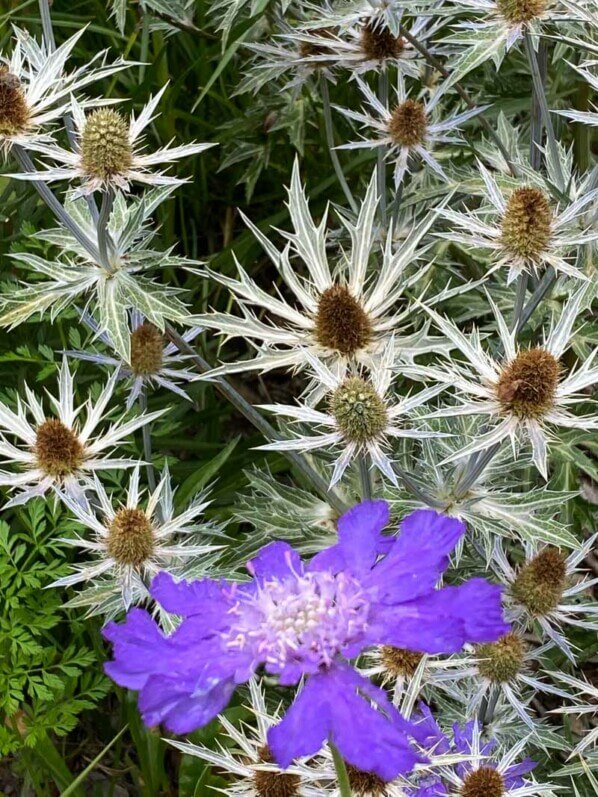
(485, 774)
(306, 621)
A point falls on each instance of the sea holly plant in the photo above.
(310, 480)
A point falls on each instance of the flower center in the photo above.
(483, 782)
(408, 123)
(501, 661)
(14, 113)
(527, 385)
(58, 450)
(130, 537)
(365, 784)
(527, 224)
(105, 146)
(399, 662)
(307, 619)
(359, 411)
(518, 11)
(378, 43)
(147, 350)
(540, 582)
(341, 322)
(274, 784)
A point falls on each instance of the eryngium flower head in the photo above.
(539, 584)
(152, 361)
(342, 311)
(35, 90)
(524, 394)
(305, 620)
(58, 451)
(131, 542)
(110, 153)
(487, 771)
(406, 128)
(359, 416)
(524, 230)
(501, 661)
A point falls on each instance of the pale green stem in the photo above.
(381, 151)
(103, 234)
(147, 443)
(330, 140)
(344, 786)
(520, 299)
(61, 214)
(365, 476)
(254, 417)
(540, 95)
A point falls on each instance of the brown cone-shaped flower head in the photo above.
(105, 145)
(14, 113)
(58, 450)
(274, 784)
(147, 350)
(399, 662)
(501, 661)
(483, 782)
(527, 224)
(539, 584)
(527, 385)
(359, 411)
(521, 11)
(341, 322)
(378, 43)
(408, 124)
(130, 538)
(365, 784)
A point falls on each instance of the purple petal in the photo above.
(418, 557)
(277, 560)
(513, 775)
(306, 725)
(140, 650)
(179, 706)
(205, 597)
(442, 621)
(360, 540)
(336, 705)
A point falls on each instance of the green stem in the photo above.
(260, 423)
(433, 61)
(330, 140)
(103, 234)
(366, 481)
(344, 786)
(520, 298)
(147, 443)
(540, 96)
(381, 151)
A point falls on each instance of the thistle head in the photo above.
(308, 49)
(526, 227)
(378, 43)
(274, 784)
(130, 540)
(366, 784)
(58, 450)
(527, 385)
(501, 661)
(408, 123)
(105, 144)
(539, 584)
(358, 410)
(399, 662)
(483, 782)
(518, 12)
(341, 322)
(147, 350)
(14, 112)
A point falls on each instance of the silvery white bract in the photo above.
(36, 90)
(58, 451)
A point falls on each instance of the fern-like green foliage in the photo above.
(49, 673)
